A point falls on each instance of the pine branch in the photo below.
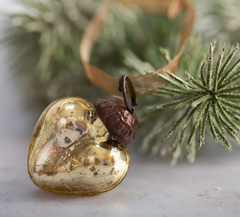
(207, 108)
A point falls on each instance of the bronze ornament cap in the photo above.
(122, 125)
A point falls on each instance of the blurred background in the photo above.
(10, 90)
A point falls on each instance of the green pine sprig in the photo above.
(207, 101)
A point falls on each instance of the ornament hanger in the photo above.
(122, 88)
(144, 84)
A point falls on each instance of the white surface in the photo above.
(210, 187)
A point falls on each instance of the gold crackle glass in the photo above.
(70, 152)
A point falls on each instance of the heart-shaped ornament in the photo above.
(70, 152)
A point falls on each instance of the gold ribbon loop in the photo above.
(144, 84)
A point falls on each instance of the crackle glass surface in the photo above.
(69, 152)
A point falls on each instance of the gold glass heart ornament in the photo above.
(72, 152)
(76, 149)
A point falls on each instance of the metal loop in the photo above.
(122, 88)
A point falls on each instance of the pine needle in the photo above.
(213, 107)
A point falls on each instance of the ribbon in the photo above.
(145, 84)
